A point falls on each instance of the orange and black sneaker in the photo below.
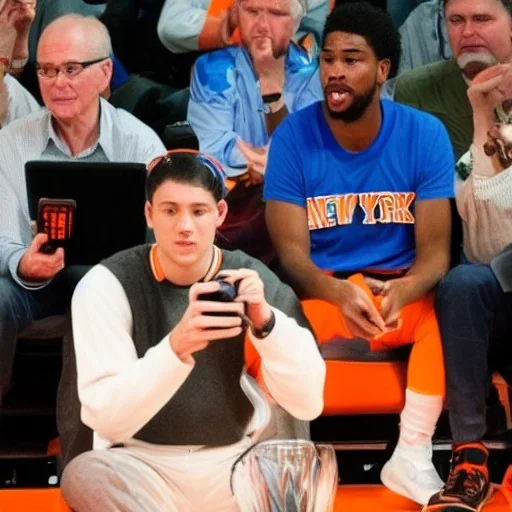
(467, 487)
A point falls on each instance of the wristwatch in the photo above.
(269, 103)
(271, 98)
(264, 331)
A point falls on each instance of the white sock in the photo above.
(418, 420)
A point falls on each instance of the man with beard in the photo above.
(238, 95)
(479, 35)
(357, 192)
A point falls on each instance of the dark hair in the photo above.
(372, 23)
(507, 4)
(194, 169)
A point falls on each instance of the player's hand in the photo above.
(360, 314)
(38, 266)
(251, 292)
(195, 330)
(396, 294)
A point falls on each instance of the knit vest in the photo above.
(210, 407)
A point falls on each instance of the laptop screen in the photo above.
(110, 201)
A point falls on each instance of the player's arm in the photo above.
(293, 247)
(288, 227)
(432, 235)
(432, 223)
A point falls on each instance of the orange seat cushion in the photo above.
(364, 387)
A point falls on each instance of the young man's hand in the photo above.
(360, 314)
(196, 330)
(251, 292)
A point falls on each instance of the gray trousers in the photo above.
(149, 478)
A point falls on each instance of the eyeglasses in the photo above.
(211, 163)
(69, 69)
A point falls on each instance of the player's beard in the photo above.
(472, 63)
(358, 107)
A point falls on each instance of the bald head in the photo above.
(84, 32)
(68, 42)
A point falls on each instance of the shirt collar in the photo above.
(158, 273)
(104, 140)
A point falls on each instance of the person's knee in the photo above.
(82, 477)
(8, 296)
(474, 283)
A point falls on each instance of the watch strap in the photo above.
(271, 98)
(264, 331)
(271, 108)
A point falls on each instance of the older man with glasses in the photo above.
(74, 68)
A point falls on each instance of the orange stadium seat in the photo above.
(363, 382)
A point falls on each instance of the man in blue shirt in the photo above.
(355, 187)
(238, 95)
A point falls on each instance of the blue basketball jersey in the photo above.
(360, 206)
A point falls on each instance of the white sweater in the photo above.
(484, 202)
(120, 392)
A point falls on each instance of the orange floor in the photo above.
(375, 498)
(350, 498)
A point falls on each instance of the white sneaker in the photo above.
(411, 473)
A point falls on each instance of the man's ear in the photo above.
(148, 212)
(107, 68)
(222, 207)
(384, 67)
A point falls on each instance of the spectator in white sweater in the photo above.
(473, 310)
(484, 173)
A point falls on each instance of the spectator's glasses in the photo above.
(69, 69)
(208, 161)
